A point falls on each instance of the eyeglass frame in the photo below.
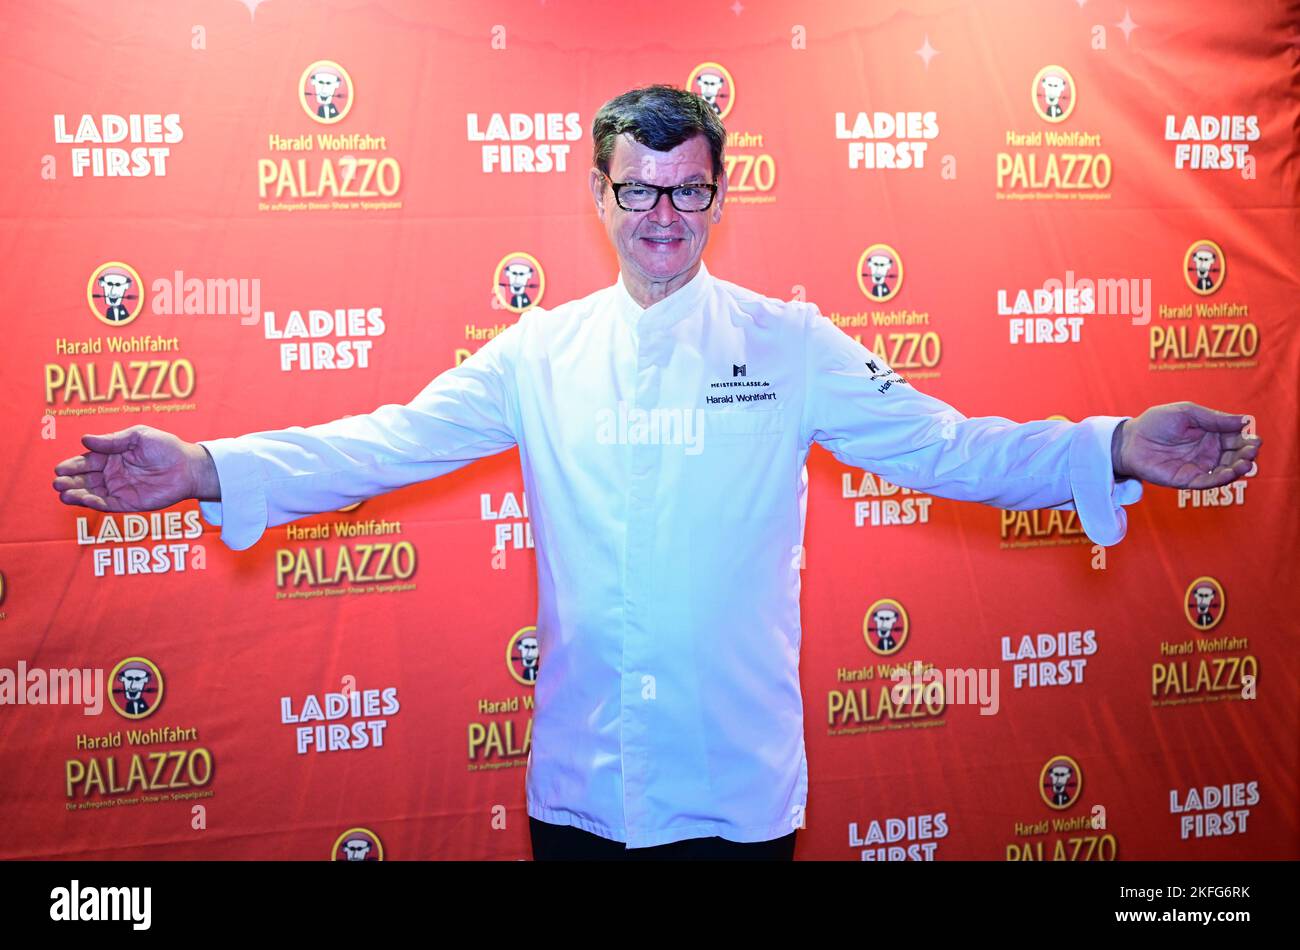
(662, 189)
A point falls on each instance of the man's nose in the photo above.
(664, 214)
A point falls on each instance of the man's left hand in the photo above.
(1183, 445)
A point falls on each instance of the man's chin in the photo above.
(663, 268)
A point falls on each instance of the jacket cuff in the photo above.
(1098, 496)
(241, 513)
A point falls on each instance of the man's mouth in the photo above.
(663, 240)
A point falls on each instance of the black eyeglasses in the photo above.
(638, 196)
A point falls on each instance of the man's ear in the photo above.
(597, 182)
(722, 195)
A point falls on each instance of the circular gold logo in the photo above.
(1060, 782)
(357, 844)
(135, 688)
(325, 91)
(1053, 93)
(885, 626)
(115, 293)
(1204, 267)
(880, 273)
(712, 83)
(519, 282)
(523, 656)
(1204, 603)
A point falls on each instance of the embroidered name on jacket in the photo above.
(754, 390)
(889, 376)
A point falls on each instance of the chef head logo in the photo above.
(519, 282)
(1060, 782)
(325, 91)
(1204, 267)
(523, 656)
(880, 273)
(1204, 603)
(1053, 93)
(358, 844)
(712, 83)
(885, 626)
(115, 293)
(136, 688)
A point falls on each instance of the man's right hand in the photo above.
(136, 469)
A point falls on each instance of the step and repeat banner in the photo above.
(223, 216)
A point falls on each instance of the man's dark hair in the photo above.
(659, 117)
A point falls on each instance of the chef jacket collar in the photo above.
(665, 312)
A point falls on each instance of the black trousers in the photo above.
(566, 843)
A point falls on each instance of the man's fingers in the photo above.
(1232, 467)
(1235, 440)
(91, 480)
(1214, 421)
(80, 464)
(1222, 475)
(87, 499)
(1246, 453)
(113, 443)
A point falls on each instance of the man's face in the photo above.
(518, 275)
(133, 682)
(1203, 597)
(885, 621)
(114, 287)
(356, 850)
(1060, 775)
(326, 85)
(709, 86)
(528, 650)
(879, 265)
(1204, 260)
(1053, 86)
(662, 243)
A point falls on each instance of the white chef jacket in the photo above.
(668, 704)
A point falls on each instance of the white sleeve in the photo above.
(866, 415)
(273, 477)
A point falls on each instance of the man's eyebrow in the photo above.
(695, 177)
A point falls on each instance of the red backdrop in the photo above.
(177, 143)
